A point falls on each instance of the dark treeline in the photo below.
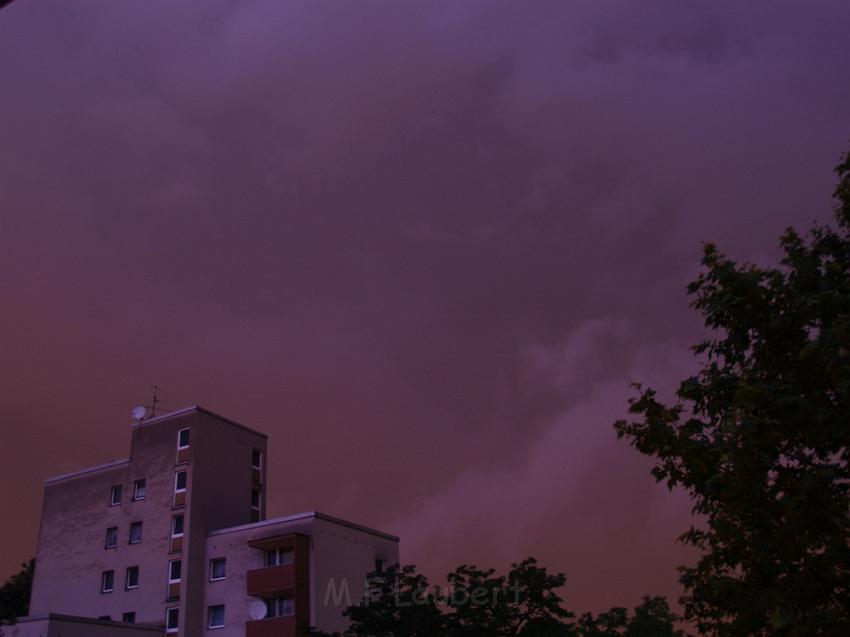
(479, 603)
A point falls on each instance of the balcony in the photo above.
(274, 627)
(271, 581)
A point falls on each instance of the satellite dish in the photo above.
(257, 610)
(139, 412)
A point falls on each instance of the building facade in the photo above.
(175, 539)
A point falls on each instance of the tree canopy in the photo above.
(760, 438)
(15, 593)
(480, 603)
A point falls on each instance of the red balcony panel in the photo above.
(271, 581)
(274, 627)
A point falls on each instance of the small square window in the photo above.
(139, 489)
(107, 581)
(218, 569)
(128, 618)
(175, 571)
(132, 580)
(216, 616)
(256, 459)
(172, 619)
(112, 537)
(183, 439)
(135, 532)
(180, 481)
(177, 526)
(115, 495)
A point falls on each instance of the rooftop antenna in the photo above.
(157, 401)
(156, 389)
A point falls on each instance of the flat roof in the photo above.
(86, 620)
(87, 470)
(198, 408)
(303, 516)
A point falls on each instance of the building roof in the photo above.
(188, 410)
(173, 414)
(87, 470)
(60, 617)
(302, 516)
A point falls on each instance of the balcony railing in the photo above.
(273, 627)
(271, 581)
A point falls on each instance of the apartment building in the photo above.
(174, 540)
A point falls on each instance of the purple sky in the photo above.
(437, 240)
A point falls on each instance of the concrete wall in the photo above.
(342, 557)
(219, 496)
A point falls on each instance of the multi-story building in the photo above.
(175, 540)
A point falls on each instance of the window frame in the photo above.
(129, 617)
(275, 606)
(277, 559)
(133, 526)
(139, 493)
(115, 490)
(174, 525)
(210, 610)
(180, 446)
(213, 562)
(131, 569)
(177, 474)
(114, 545)
(171, 579)
(168, 627)
(104, 576)
(259, 453)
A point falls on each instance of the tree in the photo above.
(653, 618)
(760, 438)
(477, 603)
(523, 603)
(15, 594)
(400, 602)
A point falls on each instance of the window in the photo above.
(279, 557)
(379, 566)
(112, 537)
(132, 580)
(115, 495)
(218, 569)
(128, 618)
(139, 489)
(177, 526)
(175, 571)
(180, 481)
(256, 459)
(183, 439)
(135, 532)
(172, 619)
(107, 581)
(255, 498)
(280, 607)
(216, 616)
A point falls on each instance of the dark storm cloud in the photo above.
(437, 240)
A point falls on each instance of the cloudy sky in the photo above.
(435, 239)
